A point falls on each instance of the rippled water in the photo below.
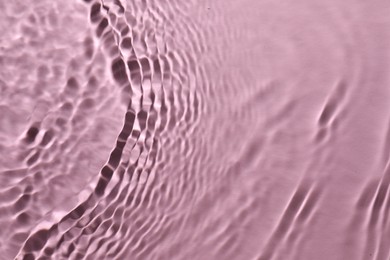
(195, 130)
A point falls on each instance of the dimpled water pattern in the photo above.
(194, 130)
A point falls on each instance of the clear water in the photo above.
(205, 130)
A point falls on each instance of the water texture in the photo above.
(195, 130)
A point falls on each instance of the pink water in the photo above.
(195, 130)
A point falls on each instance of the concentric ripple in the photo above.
(210, 130)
